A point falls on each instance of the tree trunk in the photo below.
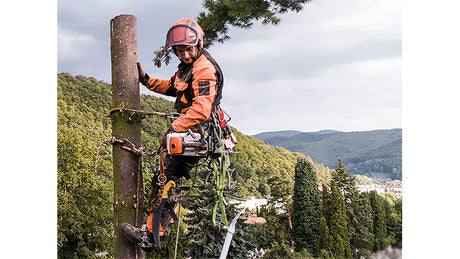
(127, 167)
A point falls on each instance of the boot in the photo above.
(132, 233)
(142, 237)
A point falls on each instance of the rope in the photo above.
(220, 184)
(161, 180)
(193, 182)
(112, 140)
(177, 233)
(139, 174)
(143, 113)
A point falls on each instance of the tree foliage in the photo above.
(325, 239)
(276, 233)
(392, 207)
(336, 219)
(220, 14)
(357, 210)
(84, 197)
(306, 208)
(378, 219)
(206, 238)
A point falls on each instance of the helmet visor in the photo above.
(181, 35)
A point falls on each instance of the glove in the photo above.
(143, 77)
(163, 140)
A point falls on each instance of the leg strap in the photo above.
(156, 224)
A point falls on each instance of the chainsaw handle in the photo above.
(200, 129)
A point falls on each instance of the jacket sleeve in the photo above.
(204, 88)
(162, 86)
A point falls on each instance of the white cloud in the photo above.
(321, 28)
(355, 96)
(73, 45)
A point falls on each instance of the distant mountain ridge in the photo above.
(376, 153)
(289, 133)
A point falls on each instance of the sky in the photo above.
(334, 65)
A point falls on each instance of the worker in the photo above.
(197, 86)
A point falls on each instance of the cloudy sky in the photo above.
(334, 65)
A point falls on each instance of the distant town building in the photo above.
(252, 203)
(253, 219)
(380, 189)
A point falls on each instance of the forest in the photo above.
(376, 153)
(312, 211)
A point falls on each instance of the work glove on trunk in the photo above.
(143, 77)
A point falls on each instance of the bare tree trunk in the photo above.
(127, 167)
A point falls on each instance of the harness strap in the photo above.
(156, 224)
(161, 202)
(156, 218)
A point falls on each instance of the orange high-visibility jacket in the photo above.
(197, 87)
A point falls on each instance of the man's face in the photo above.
(186, 53)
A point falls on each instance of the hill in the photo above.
(288, 133)
(377, 153)
(283, 133)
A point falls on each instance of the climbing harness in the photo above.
(213, 139)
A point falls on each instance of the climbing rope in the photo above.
(122, 109)
(220, 175)
(112, 140)
(161, 192)
(177, 233)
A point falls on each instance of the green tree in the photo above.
(281, 190)
(306, 208)
(276, 233)
(84, 198)
(325, 241)
(378, 216)
(358, 213)
(206, 239)
(392, 207)
(220, 14)
(326, 202)
(338, 224)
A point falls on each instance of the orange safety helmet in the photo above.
(185, 32)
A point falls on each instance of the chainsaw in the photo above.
(198, 141)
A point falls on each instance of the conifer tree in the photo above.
(392, 207)
(206, 238)
(358, 214)
(326, 202)
(277, 231)
(324, 235)
(281, 191)
(338, 224)
(306, 208)
(220, 14)
(379, 227)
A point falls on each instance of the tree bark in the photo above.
(128, 195)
